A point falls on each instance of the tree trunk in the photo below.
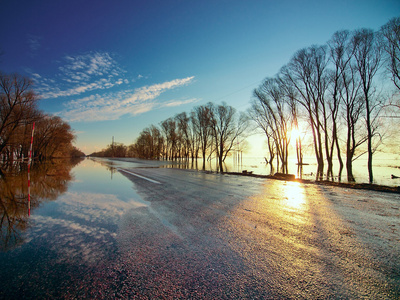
(204, 159)
(369, 130)
(349, 168)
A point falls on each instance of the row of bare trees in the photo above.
(208, 131)
(18, 112)
(333, 89)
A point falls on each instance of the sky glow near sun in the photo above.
(294, 134)
(119, 68)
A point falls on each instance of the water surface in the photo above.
(93, 234)
(71, 231)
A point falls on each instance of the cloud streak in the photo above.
(93, 87)
(112, 106)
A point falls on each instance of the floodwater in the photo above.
(382, 168)
(72, 228)
(113, 229)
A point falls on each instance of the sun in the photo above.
(294, 134)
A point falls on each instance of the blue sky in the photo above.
(112, 68)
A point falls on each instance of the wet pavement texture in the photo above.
(200, 235)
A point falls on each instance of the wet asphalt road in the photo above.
(213, 236)
(161, 233)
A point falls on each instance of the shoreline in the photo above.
(287, 177)
(362, 186)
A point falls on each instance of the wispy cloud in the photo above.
(174, 103)
(93, 87)
(80, 88)
(111, 106)
(34, 43)
(85, 67)
(80, 74)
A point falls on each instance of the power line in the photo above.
(237, 91)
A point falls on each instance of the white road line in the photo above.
(140, 176)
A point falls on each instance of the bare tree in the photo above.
(17, 106)
(337, 46)
(168, 127)
(291, 95)
(157, 141)
(391, 45)
(307, 73)
(346, 92)
(226, 128)
(53, 138)
(149, 144)
(337, 49)
(143, 145)
(368, 57)
(272, 113)
(202, 121)
(195, 137)
(184, 131)
(259, 114)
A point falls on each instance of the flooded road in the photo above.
(136, 230)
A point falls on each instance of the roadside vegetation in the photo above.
(53, 137)
(331, 94)
(335, 97)
(208, 131)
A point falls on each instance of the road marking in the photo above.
(140, 176)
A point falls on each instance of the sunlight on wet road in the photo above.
(294, 194)
(187, 234)
(317, 248)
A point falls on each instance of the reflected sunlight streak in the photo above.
(294, 194)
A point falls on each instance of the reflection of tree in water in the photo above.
(109, 165)
(48, 181)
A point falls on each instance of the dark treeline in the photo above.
(207, 131)
(53, 137)
(329, 94)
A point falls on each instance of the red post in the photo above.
(29, 171)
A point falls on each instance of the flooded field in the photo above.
(113, 229)
(72, 228)
(383, 169)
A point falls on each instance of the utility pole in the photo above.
(112, 147)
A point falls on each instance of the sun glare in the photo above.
(294, 134)
(294, 195)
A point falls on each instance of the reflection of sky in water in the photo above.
(80, 242)
(94, 177)
(81, 225)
